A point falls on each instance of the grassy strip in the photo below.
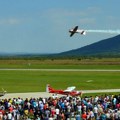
(35, 81)
(54, 66)
(100, 94)
(63, 64)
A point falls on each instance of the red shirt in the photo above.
(84, 116)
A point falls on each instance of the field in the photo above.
(28, 80)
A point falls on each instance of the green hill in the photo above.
(107, 47)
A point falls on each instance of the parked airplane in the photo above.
(75, 30)
(69, 91)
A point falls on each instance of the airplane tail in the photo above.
(83, 33)
(48, 88)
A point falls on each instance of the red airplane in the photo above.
(69, 91)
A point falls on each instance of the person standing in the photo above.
(95, 110)
(9, 116)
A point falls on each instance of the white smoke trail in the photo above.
(104, 31)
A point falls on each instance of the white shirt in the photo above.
(50, 118)
(57, 111)
(9, 116)
(95, 109)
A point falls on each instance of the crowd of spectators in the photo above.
(103, 107)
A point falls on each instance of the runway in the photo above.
(45, 94)
(67, 70)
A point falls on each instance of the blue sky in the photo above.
(41, 26)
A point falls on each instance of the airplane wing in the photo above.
(72, 33)
(69, 89)
(75, 29)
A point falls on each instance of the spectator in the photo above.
(63, 108)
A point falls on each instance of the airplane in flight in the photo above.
(69, 91)
(76, 30)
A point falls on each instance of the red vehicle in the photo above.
(69, 91)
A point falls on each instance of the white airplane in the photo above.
(75, 30)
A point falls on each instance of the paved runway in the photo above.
(45, 94)
(87, 70)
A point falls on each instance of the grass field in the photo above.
(110, 63)
(35, 81)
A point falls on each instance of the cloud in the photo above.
(84, 16)
(87, 20)
(63, 13)
(93, 10)
(10, 21)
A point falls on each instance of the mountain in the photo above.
(110, 46)
(105, 48)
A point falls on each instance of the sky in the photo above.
(41, 26)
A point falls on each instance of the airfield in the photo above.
(28, 78)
